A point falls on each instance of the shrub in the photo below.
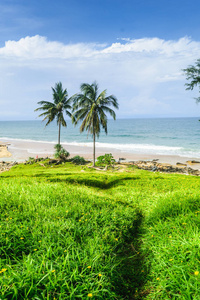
(30, 161)
(78, 160)
(61, 153)
(30, 158)
(105, 160)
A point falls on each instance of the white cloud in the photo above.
(39, 47)
(156, 45)
(140, 72)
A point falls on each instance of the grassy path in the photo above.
(69, 232)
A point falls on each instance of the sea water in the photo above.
(167, 136)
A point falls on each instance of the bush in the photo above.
(30, 158)
(105, 160)
(61, 153)
(78, 160)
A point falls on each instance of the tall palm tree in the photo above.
(91, 108)
(55, 110)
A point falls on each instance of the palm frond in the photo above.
(109, 110)
(112, 100)
(101, 97)
(91, 108)
(56, 109)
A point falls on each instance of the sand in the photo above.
(4, 150)
(19, 150)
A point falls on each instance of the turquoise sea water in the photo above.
(169, 136)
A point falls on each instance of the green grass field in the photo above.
(70, 232)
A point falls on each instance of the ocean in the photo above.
(164, 136)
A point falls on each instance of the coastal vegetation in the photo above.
(78, 160)
(193, 76)
(57, 108)
(73, 232)
(60, 152)
(90, 107)
(106, 160)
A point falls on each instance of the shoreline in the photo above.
(19, 150)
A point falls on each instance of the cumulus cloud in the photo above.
(140, 72)
(156, 45)
(39, 47)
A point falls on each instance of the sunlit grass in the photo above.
(69, 232)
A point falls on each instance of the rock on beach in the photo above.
(5, 166)
(164, 167)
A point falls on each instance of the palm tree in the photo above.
(91, 108)
(54, 110)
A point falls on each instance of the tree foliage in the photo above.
(193, 76)
(57, 108)
(91, 108)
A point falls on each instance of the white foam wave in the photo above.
(130, 148)
(7, 139)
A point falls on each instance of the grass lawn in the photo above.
(70, 232)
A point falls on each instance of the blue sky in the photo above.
(135, 49)
(99, 20)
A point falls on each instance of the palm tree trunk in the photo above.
(59, 128)
(94, 150)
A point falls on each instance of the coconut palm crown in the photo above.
(57, 108)
(90, 107)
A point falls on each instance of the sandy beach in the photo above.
(4, 153)
(19, 150)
